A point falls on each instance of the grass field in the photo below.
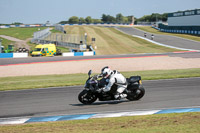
(6, 42)
(20, 33)
(23, 34)
(158, 123)
(111, 41)
(152, 30)
(31, 82)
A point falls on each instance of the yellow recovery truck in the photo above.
(44, 50)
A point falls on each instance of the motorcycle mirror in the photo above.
(90, 72)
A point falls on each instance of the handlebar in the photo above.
(95, 77)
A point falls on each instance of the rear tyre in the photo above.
(87, 97)
(136, 94)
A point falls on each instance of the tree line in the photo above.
(105, 19)
(119, 18)
(154, 17)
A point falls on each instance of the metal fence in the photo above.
(40, 35)
(59, 28)
(71, 41)
(70, 38)
(64, 44)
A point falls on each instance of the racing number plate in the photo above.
(140, 81)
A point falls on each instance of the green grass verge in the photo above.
(63, 49)
(55, 31)
(158, 123)
(31, 82)
(152, 30)
(23, 34)
(20, 33)
(6, 42)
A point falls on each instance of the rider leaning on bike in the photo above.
(114, 77)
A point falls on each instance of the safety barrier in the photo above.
(103, 24)
(195, 30)
(22, 55)
(47, 25)
(22, 26)
(13, 55)
(79, 53)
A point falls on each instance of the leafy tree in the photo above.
(164, 17)
(104, 18)
(108, 19)
(82, 20)
(63, 22)
(73, 20)
(88, 19)
(16, 23)
(154, 17)
(111, 19)
(120, 18)
(97, 21)
(125, 19)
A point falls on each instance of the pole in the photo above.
(85, 38)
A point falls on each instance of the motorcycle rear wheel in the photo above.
(132, 96)
(87, 97)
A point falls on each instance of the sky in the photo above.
(41, 11)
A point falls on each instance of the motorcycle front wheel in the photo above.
(87, 97)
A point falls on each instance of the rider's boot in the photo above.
(119, 96)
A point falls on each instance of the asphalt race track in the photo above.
(160, 94)
(164, 39)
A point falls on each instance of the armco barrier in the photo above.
(13, 55)
(22, 55)
(195, 30)
(22, 26)
(6, 55)
(79, 53)
(47, 25)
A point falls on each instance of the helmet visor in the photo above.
(104, 74)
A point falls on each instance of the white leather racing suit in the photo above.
(118, 79)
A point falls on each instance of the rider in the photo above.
(114, 77)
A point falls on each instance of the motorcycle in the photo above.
(91, 93)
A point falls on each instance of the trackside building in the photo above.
(185, 22)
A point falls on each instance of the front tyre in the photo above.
(87, 97)
(136, 94)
